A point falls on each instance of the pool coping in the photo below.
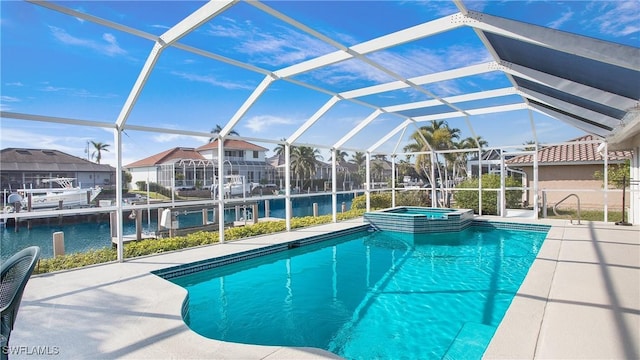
(580, 298)
(99, 312)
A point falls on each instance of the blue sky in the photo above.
(57, 65)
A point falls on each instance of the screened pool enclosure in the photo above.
(346, 97)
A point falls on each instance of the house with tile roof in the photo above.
(197, 168)
(569, 168)
(28, 167)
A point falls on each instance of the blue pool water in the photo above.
(96, 234)
(431, 213)
(369, 295)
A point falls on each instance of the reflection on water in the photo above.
(96, 234)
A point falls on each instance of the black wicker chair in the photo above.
(15, 274)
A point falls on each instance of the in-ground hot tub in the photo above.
(420, 220)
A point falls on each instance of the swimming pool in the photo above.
(369, 294)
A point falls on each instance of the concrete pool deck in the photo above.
(581, 299)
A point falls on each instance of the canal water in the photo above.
(81, 237)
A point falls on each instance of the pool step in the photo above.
(470, 342)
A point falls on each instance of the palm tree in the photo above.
(470, 143)
(217, 130)
(359, 159)
(403, 168)
(377, 169)
(438, 136)
(460, 164)
(340, 156)
(423, 162)
(303, 161)
(99, 148)
(530, 145)
(279, 150)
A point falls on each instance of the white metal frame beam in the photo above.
(452, 99)
(394, 39)
(255, 95)
(357, 128)
(312, 120)
(389, 135)
(188, 24)
(423, 80)
(205, 13)
(476, 111)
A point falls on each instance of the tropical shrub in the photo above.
(383, 200)
(156, 246)
(71, 261)
(413, 198)
(378, 201)
(469, 199)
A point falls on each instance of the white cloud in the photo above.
(14, 137)
(557, 24)
(280, 48)
(615, 18)
(164, 138)
(213, 81)
(5, 98)
(163, 27)
(108, 47)
(262, 122)
(83, 93)
(167, 138)
(229, 30)
(6, 101)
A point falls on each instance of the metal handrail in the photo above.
(565, 198)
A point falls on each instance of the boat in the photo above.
(66, 193)
(234, 185)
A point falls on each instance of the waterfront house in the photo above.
(244, 159)
(570, 168)
(186, 168)
(22, 167)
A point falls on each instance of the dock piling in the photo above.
(160, 211)
(58, 243)
(138, 216)
(254, 211)
(113, 226)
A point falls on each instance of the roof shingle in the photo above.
(22, 159)
(176, 153)
(232, 145)
(577, 152)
